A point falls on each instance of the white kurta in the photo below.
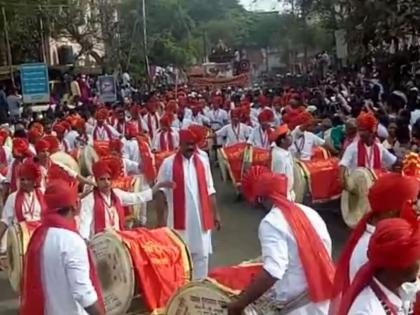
(130, 167)
(87, 220)
(281, 257)
(31, 208)
(366, 303)
(154, 123)
(198, 241)
(199, 119)
(218, 118)
(282, 163)
(131, 150)
(65, 273)
(156, 140)
(259, 138)
(102, 134)
(71, 138)
(359, 256)
(229, 135)
(303, 144)
(349, 159)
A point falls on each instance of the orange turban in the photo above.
(20, 148)
(31, 171)
(411, 165)
(59, 195)
(395, 244)
(186, 135)
(303, 118)
(166, 120)
(279, 131)
(392, 191)
(102, 114)
(171, 106)
(115, 145)
(266, 116)
(79, 123)
(42, 145)
(53, 143)
(249, 182)
(100, 169)
(59, 129)
(131, 130)
(367, 121)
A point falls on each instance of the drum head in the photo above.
(66, 159)
(87, 157)
(140, 184)
(14, 256)
(115, 271)
(200, 298)
(355, 203)
(300, 182)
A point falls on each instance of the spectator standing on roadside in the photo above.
(14, 102)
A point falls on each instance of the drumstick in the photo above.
(85, 193)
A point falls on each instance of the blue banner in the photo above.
(35, 83)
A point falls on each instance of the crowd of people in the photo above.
(354, 119)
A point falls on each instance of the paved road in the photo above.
(236, 242)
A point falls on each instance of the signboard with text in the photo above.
(35, 84)
(107, 89)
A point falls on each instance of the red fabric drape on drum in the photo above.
(236, 278)
(161, 264)
(234, 156)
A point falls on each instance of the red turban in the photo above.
(38, 126)
(263, 100)
(53, 143)
(115, 145)
(79, 123)
(266, 116)
(395, 244)
(30, 170)
(66, 125)
(42, 145)
(268, 183)
(171, 106)
(100, 169)
(166, 120)
(59, 195)
(3, 136)
(303, 118)
(390, 192)
(59, 129)
(280, 131)
(236, 113)
(367, 121)
(131, 130)
(20, 148)
(101, 114)
(186, 135)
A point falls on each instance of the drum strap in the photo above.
(298, 302)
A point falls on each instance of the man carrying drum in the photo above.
(103, 131)
(103, 207)
(282, 159)
(59, 276)
(235, 132)
(297, 270)
(191, 207)
(27, 203)
(367, 151)
(166, 138)
(260, 135)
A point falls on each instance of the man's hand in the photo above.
(167, 185)
(217, 221)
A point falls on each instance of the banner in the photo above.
(239, 80)
(107, 89)
(35, 84)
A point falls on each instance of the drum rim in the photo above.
(345, 196)
(15, 230)
(62, 153)
(303, 182)
(111, 234)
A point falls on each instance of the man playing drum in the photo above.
(191, 207)
(392, 195)
(260, 135)
(235, 132)
(27, 203)
(20, 151)
(296, 252)
(304, 141)
(103, 208)
(103, 131)
(59, 276)
(281, 158)
(367, 151)
(129, 167)
(166, 138)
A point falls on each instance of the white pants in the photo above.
(200, 266)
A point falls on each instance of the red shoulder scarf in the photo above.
(32, 300)
(107, 131)
(99, 211)
(179, 193)
(317, 263)
(166, 145)
(363, 160)
(20, 197)
(3, 158)
(13, 180)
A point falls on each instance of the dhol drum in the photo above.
(200, 298)
(18, 236)
(87, 157)
(233, 156)
(139, 270)
(354, 201)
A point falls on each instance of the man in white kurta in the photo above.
(197, 239)
(218, 117)
(304, 143)
(282, 159)
(235, 132)
(260, 135)
(166, 138)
